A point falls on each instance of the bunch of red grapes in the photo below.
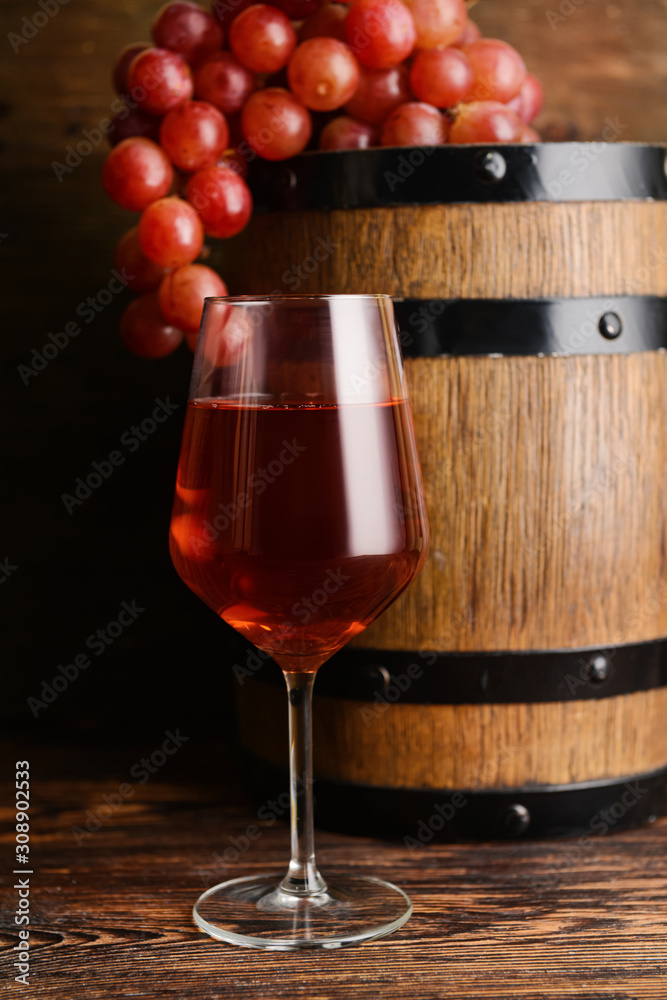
(215, 90)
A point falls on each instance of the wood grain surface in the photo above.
(466, 746)
(525, 250)
(112, 918)
(544, 485)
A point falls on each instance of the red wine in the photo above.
(297, 523)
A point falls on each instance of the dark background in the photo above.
(171, 667)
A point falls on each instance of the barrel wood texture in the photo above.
(471, 747)
(544, 483)
(517, 250)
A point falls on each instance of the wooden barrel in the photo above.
(520, 686)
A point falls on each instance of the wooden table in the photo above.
(112, 917)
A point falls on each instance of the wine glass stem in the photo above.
(303, 878)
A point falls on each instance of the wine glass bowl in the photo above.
(298, 518)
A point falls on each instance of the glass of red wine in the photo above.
(298, 518)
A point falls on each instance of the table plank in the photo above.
(112, 918)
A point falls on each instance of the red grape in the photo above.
(528, 102)
(381, 33)
(224, 82)
(185, 28)
(485, 121)
(122, 64)
(183, 291)
(222, 199)
(414, 124)
(397, 72)
(159, 80)
(437, 22)
(469, 35)
(262, 38)
(499, 70)
(323, 74)
(228, 333)
(327, 22)
(128, 122)
(194, 135)
(141, 274)
(145, 331)
(137, 172)
(379, 92)
(275, 125)
(443, 77)
(297, 10)
(170, 232)
(348, 133)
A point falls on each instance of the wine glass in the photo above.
(298, 518)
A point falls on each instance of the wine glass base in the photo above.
(254, 911)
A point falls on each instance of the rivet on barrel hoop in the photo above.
(381, 676)
(515, 820)
(598, 669)
(610, 325)
(490, 167)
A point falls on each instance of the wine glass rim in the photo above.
(297, 296)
